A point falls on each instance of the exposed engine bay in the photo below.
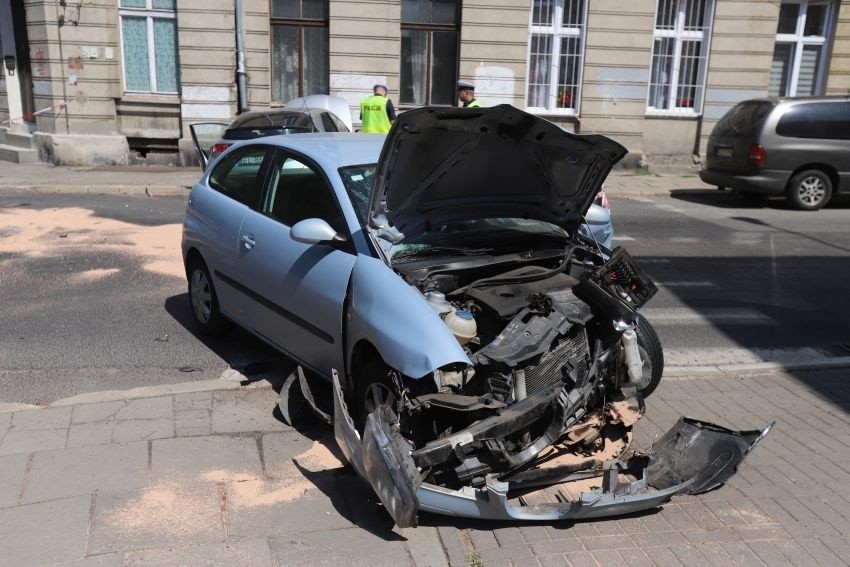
(547, 362)
(539, 426)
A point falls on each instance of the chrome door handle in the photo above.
(248, 240)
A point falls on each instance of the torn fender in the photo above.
(381, 308)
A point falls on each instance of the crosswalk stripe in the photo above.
(687, 284)
(686, 315)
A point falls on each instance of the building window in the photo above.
(555, 51)
(801, 40)
(679, 56)
(149, 46)
(300, 60)
(429, 51)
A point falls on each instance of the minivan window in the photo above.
(744, 119)
(824, 120)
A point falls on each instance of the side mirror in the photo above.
(315, 231)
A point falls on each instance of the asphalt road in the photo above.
(738, 283)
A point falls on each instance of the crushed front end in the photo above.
(539, 426)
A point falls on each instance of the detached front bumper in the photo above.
(692, 457)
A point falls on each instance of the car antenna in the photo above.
(309, 116)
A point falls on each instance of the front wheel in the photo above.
(651, 354)
(374, 388)
(204, 301)
(809, 190)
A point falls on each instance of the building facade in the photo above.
(129, 76)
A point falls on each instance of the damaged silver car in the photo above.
(486, 359)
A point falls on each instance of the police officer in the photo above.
(377, 112)
(466, 94)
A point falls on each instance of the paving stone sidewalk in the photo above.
(213, 478)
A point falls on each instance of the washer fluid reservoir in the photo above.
(462, 325)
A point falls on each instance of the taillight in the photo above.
(757, 156)
(601, 199)
(219, 148)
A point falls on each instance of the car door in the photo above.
(204, 136)
(297, 290)
(233, 188)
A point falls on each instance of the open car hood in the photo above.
(441, 165)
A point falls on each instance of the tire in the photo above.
(203, 300)
(374, 387)
(651, 354)
(809, 190)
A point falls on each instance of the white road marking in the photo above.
(686, 315)
(719, 356)
(684, 239)
(687, 284)
(623, 238)
(653, 260)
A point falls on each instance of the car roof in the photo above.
(795, 99)
(331, 150)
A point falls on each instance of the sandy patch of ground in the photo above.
(63, 231)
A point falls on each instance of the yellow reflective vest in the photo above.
(373, 115)
(474, 104)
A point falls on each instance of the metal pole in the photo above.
(60, 20)
(241, 77)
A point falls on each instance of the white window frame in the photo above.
(798, 41)
(680, 35)
(557, 31)
(149, 13)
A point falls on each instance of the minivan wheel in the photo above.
(204, 301)
(810, 190)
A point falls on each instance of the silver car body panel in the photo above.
(380, 310)
(334, 104)
(598, 226)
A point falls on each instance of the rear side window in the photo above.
(273, 119)
(824, 120)
(238, 175)
(744, 119)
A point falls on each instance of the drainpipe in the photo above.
(241, 77)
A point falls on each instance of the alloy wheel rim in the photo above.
(812, 190)
(378, 394)
(201, 296)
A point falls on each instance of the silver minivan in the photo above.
(797, 147)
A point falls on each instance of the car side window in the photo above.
(824, 120)
(238, 174)
(327, 124)
(297, 191)
(340, 125)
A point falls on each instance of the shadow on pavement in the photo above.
(238, 348)
(732, 200)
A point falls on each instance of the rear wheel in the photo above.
(809, 190)
(651, 353)
(204, 301)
